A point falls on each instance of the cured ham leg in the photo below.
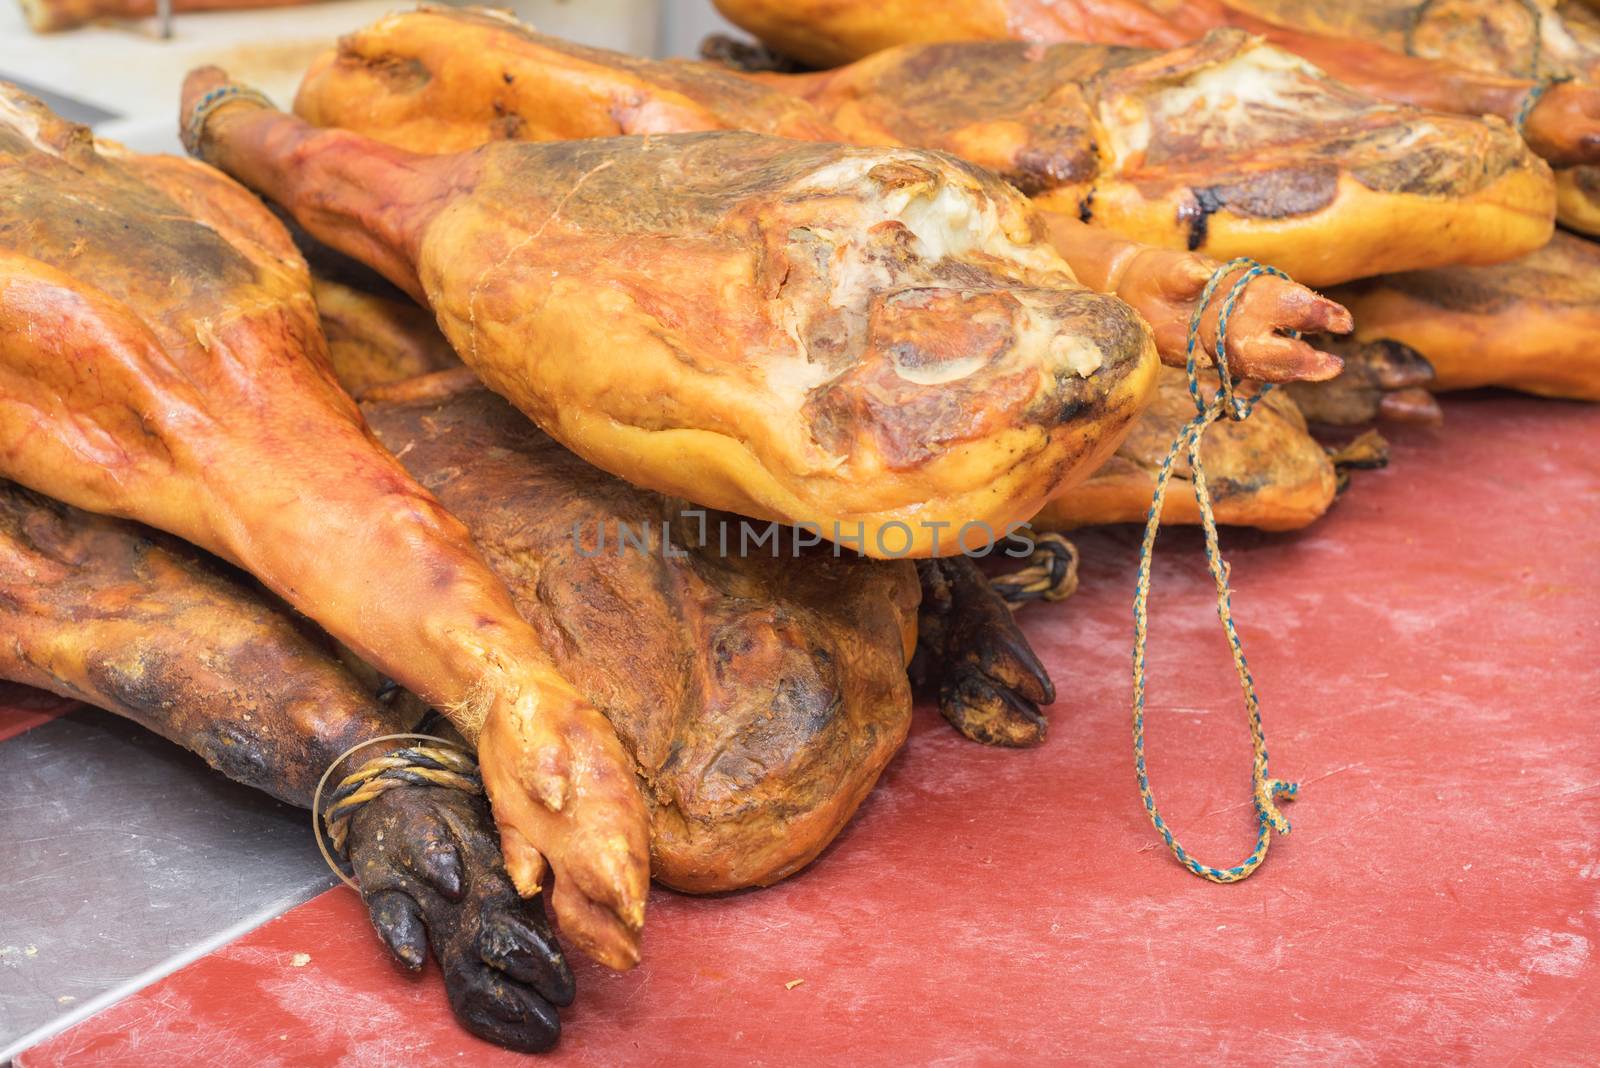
(1532, 325)
(109, 612)
(161, 360)
(120, 616)
(1228, 146)
(476, 76)
(759, 697)
(1563, 126)
(1512, 38)
(878, 343)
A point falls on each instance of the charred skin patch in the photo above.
(1276, 194)
(145, 626)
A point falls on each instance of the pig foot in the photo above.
(428, 861)
(989, 681)
(1382, 379)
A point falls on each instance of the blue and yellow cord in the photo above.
(1208, 410)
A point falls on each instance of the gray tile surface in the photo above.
(122, 858)
(68, 107)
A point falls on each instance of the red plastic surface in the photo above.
(22, 708)
(1427, 658)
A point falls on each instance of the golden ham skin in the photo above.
(439, 80)
(1514, 38)
(878, 340)
(161, 360)
(1533, 324)
(1228, 146)
(1265, 472)
(1563, 126)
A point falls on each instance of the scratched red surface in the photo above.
(22, 708)
(1428, 659)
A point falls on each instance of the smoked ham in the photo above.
(875, 342)
(1533, 324)
(123, 617)
(1228, 147)
(1563, 126)
(161, 360)
(474, 76)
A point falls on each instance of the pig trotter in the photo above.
(989, 681)
(430, 869)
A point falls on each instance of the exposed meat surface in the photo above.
(161, 360)
(1533, 324)
(474, 77)
(855, 338)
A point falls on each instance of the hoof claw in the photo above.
(428, 862)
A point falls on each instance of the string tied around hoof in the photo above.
(1051, 574)
(206, 105)
(1225, 402)
(1531, 99)
(441, 762)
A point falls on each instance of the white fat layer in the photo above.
(25, 121)
(1080, 354)
(949, 371)
(948, 219)
(1237, 98)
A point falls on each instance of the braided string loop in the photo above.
(208, 104)
(1051, 574)
(1225, 402)
(438, 763)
